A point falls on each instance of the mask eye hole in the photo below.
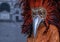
(39, 11)
(42, 13)
(34, 12)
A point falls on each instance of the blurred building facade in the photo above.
(10, 31)
(10, 10)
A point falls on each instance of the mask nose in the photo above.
(39, 15)
(36, 21)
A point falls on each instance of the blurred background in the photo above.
(11, 21)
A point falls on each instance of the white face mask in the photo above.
(36, 22)
(37, 19)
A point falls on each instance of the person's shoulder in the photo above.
(53, 28)
(54, 34)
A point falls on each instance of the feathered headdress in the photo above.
(53, 13)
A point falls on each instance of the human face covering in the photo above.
(38, 16)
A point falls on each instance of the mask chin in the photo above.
(36, 22)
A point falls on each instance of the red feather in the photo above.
(53, 12)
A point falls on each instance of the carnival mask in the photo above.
(38, 15)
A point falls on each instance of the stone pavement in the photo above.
(11, 32)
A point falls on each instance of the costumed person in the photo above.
(41, 20)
